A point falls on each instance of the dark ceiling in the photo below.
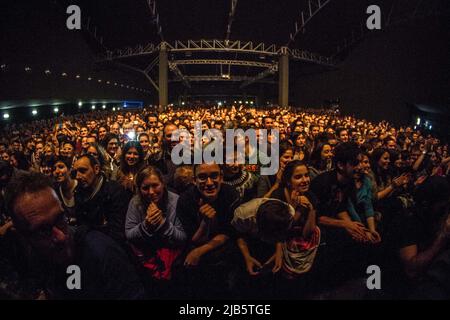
(128, 22)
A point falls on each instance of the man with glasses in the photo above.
(206, 210)
(105, 271)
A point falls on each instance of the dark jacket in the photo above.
(106, 211)
(106, 271)
(225, 204)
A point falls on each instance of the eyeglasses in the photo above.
(203, 177)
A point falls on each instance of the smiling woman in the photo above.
(153, 229)
(65, 185)
(131, 161)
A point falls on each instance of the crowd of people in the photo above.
(100, 191)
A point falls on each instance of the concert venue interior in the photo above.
(348, 101)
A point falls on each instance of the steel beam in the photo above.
(247, 47)
(152, 65)
(314, 7)
(283, 79)
(163, 77)
(197, 45)
(303, 55)
(224, 61)
(174, 68)
(155, 17)
(270, 71)
(230, 18)
(201, 78)
(140, 71)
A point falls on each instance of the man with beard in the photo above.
(99, 203)
(206, 211)
(342, 235)
(243, 181)
(105, 272)
(163, 161)
(332, 189)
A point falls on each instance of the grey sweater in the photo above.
(170, 233)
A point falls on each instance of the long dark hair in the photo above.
(305, 149)
(316, 160)
(22, 162)
(124, 167)
(289, 171)
(284, 147)
(381, 176)
(143, 174)
(108, 137)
